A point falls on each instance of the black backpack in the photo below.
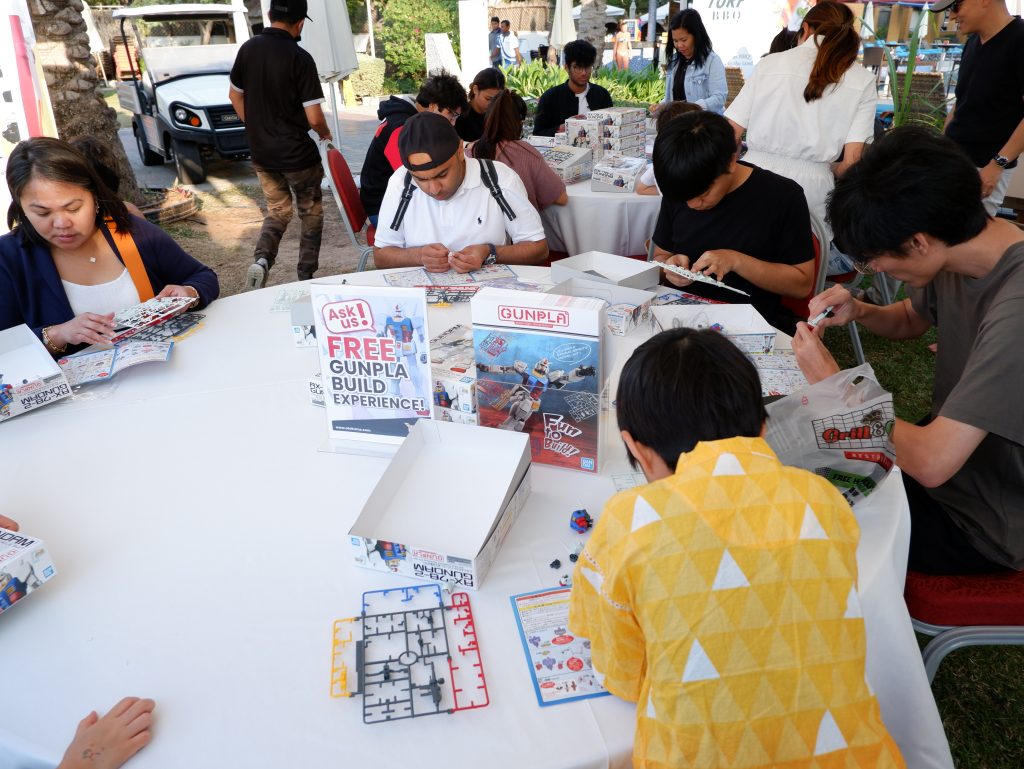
(487, 174)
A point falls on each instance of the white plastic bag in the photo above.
(839, 428)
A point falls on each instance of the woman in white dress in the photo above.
(803, 108)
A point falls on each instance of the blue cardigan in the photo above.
(31, 291)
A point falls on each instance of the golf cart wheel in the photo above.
(149, 158)
(189, 159)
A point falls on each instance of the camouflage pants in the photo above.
(278, 188)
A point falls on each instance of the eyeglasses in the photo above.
(452, 116)
(864, 268)
(955, 6)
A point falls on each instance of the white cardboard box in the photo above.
(410, 526)
(303, 326)
(544, 141)
(741, 323)
(25, 565)
(316, 389)
(607, 268)
(631, 146)
(617, 173)
(620, 115)
(29, 376)
(624, 131)
(627, 307)
(570, 164)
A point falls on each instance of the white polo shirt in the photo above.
(470, 217)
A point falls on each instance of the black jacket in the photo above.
(558, 103)
(382, 157)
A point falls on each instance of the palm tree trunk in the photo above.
(62, 50)
(592, 25)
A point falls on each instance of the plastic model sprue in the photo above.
(412, 655)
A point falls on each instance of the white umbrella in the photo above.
(922, 22)
(562, 29)
(867, 22)
(662, 14)
(610, 10)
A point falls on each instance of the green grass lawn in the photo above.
(980, 690)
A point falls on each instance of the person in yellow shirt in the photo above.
(721, 597)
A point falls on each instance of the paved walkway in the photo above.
(355, 130)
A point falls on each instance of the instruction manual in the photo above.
(100, 365)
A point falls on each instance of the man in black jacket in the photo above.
(576, 96)
(441, 93)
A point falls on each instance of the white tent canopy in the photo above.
(662, 14)
(610, 10)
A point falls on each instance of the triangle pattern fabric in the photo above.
(830, 738)
(643, 514)
(853, 605)
(811, 527)
(650, 707)
(698, 666)
(727, 464)
(730, 575)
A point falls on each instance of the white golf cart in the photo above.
(178, 96)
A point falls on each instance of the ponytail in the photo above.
(503, 122)
(839, 42)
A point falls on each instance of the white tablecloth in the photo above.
(614, 222)
(198, 535)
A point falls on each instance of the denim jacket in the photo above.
(704, 86)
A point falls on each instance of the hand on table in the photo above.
(8, 523)
(107, 742)
(718, 263)
(680, 260)
(87, 328)
(469, 258)
(843, 306)
(814, 360)
(434, 257)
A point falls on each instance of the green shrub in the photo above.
(403, 24)
(533, 79)
(368, 80)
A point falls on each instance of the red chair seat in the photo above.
(371, 231)
(975, 599)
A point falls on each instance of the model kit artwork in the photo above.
(413, 655)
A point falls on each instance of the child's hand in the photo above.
(106, 743)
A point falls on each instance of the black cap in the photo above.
(431, 134)
(940, 5)
(293, 9)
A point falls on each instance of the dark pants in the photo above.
(937, 544)
(278, 188)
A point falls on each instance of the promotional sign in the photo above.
(742, 30)
(373, 345)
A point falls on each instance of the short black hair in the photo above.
(494, 18)
(580, 53)
(443, 89)
(692, 151)
(911, 180)
(685, 386)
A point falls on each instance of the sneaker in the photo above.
(256, 277)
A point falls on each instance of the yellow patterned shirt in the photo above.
(722, 601)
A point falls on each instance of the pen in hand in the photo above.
(828, 313)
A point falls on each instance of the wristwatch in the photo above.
(492, 257)
(1001, 161)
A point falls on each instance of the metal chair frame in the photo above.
(346, 215)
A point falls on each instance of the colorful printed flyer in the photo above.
(417, 276)
(559, 662)
(100, 365)
(373, 345)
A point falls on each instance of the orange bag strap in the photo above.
(132, 261)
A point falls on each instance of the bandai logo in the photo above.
(533, 316)
(587, 463)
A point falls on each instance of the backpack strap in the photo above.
(490, 178)
(403, 204)
(132, 261)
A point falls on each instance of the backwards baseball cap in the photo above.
(940, 5)
(293, 9)
(430, 134)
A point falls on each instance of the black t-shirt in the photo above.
(989, 93)
(470, 125)
(766, 217)
(278, 80)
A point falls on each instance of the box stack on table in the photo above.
(617, 173)
(570, 163)
(453, 371)
(622, 130)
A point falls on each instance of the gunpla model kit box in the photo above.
(617, 173)
(618, 116)
(29, 376)
(741, 323)
(570, 164)
(453, 373)
(403, 530)
(540, 372)
(586, 131)
(25, 565)
(627, 308)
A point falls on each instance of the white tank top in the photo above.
(104, 298)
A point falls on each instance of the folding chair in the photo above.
(346, 196)
(965, 610)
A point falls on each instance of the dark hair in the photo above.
(443, 89)
(684, 386)
(503, 123)
(786, 39)
(580, 53)
(495, 18)
(689, 19)
(57, 161)
(506, 21)
(489, 78)
(673, 110)
(102, 159)
(691, 152)
(837, 50)
(909, 181)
